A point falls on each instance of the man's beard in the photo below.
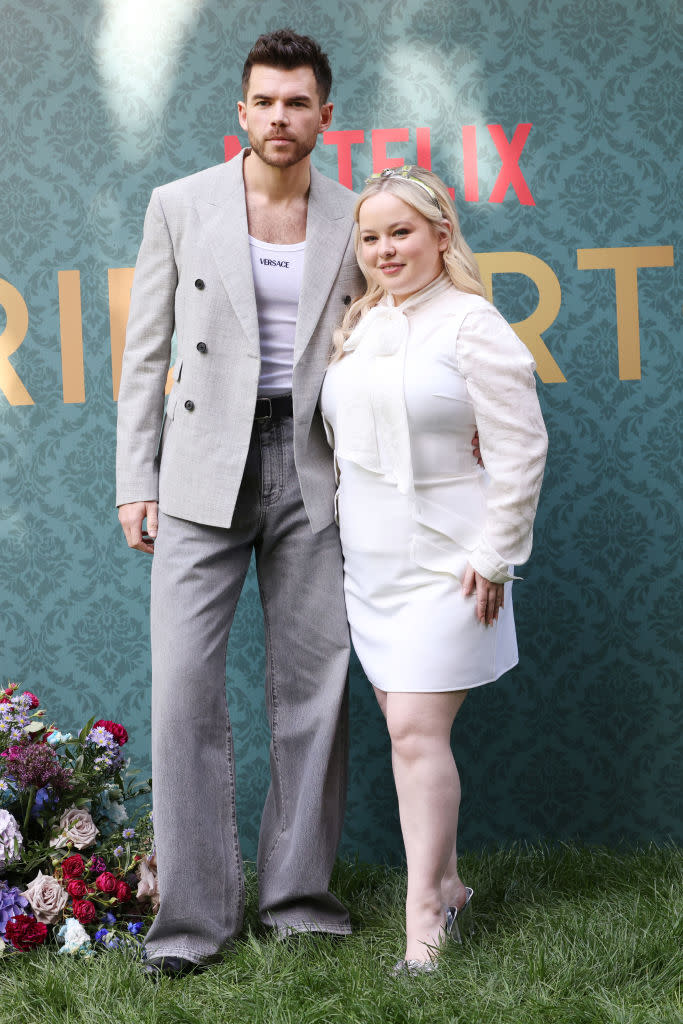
(302, 147)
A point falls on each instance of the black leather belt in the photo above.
(275, 408)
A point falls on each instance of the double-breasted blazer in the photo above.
(193, 276)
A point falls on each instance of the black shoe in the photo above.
(170, 966)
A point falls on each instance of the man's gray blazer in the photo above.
(193, 275)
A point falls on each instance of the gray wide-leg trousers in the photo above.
(197, 575)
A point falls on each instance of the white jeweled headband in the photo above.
(405, 173)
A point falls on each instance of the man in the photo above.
(251, 263)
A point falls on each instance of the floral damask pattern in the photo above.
(578, 741)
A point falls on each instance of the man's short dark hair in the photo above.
(286, 49)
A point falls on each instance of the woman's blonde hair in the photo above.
(427, 194)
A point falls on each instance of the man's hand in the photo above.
(475, 449)
(490, 596)
(132, 516)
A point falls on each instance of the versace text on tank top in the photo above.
(277, 272)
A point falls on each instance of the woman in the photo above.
(430, 540)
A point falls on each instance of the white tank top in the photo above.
(277, 271)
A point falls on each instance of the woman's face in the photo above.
(400, 248)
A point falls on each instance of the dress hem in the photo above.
(449, 689)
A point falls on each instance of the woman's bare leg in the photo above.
(428, 790)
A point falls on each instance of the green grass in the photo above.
(566, 934)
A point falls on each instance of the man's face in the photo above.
(282, 114)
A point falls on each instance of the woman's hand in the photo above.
(490, 596)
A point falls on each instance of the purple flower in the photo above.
(99, 737)
(98, 865)
(36, 764)
(128, 833)
(135, 927)
(108, 918)
(119, 851)
(15, 716)
(12, 903)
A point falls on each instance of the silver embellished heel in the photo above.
(414, 967)
(460, 922)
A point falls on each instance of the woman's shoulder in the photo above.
(453, 302)
(449, 310)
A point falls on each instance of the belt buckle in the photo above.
(269, 414)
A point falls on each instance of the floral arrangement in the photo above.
(73, 867)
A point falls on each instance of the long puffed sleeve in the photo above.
(499, 373)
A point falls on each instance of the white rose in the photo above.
(11, 841)
(77, 828)
(47, 897)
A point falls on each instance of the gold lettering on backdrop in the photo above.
(10, 340)
(120, 284)
(625, 263)
(549, 300)
(71, 333)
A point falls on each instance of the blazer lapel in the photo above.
(223, 215)
(327, 234)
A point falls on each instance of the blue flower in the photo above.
(135, 927)
(101, 934)
(108, 918)
(112, 809)
(12, 903)
(44, 799)
(74, 937)
(58, 737)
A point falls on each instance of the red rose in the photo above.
(117, 731)
(123, 892)
(24, 932)
(77, 888)
(84, 911)
(73, 866)
(106, 882)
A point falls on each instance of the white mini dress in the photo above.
(400, 409)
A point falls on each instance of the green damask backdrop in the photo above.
(103, 100)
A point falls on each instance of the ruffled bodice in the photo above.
(404, 401)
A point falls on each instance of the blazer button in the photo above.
(199, 284)
(347, 300)
(189, 405)
(201, 347)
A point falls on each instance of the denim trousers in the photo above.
(197, 574)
